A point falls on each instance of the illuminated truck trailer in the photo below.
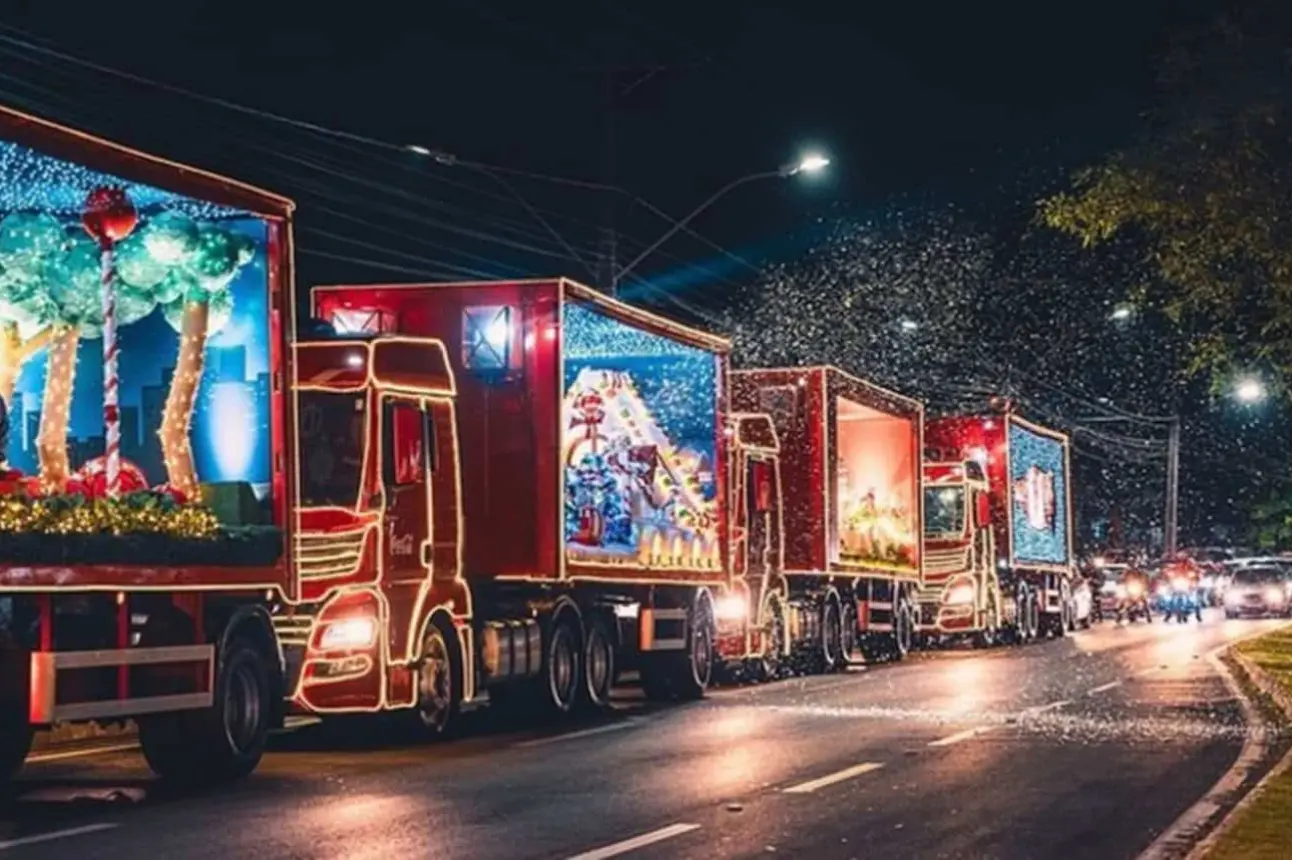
(147, 460)
(570, 519)
(998, 530)
(849, 486)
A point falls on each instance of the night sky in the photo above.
(953, 100)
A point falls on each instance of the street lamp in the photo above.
(810, 163)
(1249, 390)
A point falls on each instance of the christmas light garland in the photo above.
(145, 512)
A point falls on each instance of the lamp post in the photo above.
(812, 163)
(1249, 390)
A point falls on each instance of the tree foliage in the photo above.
(1206, 189)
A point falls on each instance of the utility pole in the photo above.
(609, 268)
(1171, 522)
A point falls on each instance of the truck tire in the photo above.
(903, 631)
(562, 675)
(831, 658)
(225, 741)
(848, 639)
(439, 681)
(598, 665)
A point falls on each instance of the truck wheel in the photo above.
(848, 630)
(439, 682)
(222, 742)
(598, 665)
(903, 631)
(562, 666)
(831, 659)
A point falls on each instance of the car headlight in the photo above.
(1233, 598)
(349, 633)
(1275, 596)
(731, 607)
(959, 595)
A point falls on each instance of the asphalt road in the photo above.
(1083, 747)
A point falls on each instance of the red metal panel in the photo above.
(794, 399)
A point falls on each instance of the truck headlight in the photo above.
(959, 595)
(349, 633)
(731, 607)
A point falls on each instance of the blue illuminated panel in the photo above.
(182, 253)
(1039, 497)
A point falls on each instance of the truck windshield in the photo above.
(944, 510)
(332, 428)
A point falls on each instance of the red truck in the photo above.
(997, 530)
(849, 535)
(556, 514)
(147, 468)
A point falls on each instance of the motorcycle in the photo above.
(1132, 602)
(1183, 601)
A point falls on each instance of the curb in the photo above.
(1276, 691)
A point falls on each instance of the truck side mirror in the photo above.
(982, 510)
(761, 478)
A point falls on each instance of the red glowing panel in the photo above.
(876, 521)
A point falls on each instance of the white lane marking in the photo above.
(1102, 688)
(636, 842)
(967, 734)
(54, 834)
(59, 756)
(830, 779)
(1041, 709)
(585, 733)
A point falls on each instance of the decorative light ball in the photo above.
(171, 237)
(25, 238)
(136, 266)
(215, 262)
(109, 215)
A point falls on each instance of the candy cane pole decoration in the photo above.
(110, 217)
(111, 414)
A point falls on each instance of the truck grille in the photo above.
(293, 630)
(322, 555)
(945, 561)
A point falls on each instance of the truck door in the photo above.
(406, 442)
(405, 479)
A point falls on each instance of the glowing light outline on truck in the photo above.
(766, 592)
(417, 623)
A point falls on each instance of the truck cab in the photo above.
(961, 591)
(377, 521)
